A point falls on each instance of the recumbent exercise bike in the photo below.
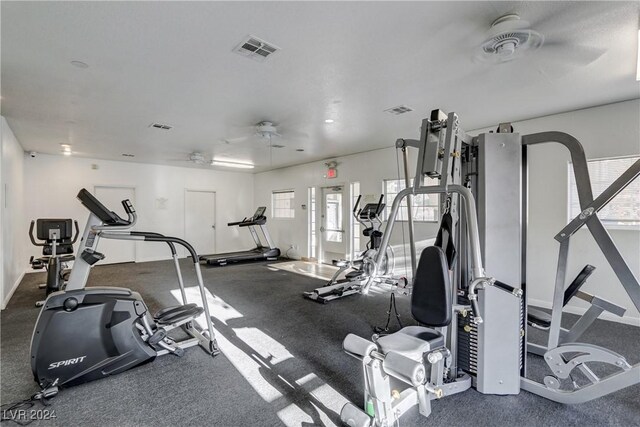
(57, 250)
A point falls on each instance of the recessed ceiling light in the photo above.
(79, 64)
(66, 153)
(328, 121)
(229, 164)
(300, 150)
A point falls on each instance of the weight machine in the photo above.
(483, 343)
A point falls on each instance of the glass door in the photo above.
(334, 242)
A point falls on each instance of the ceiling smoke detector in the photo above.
(161, 126)
(254, 48)
(400, 109)
(509, 38)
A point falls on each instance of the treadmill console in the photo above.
(259, 213)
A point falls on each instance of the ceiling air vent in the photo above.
(160, 126)
(400, 109)
(277, 146)
(255, 48)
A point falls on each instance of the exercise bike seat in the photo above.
(411, 342)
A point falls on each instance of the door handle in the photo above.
(322, 229)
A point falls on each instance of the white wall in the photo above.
(606, 131)
(53, 182)
(14, 244)
(369, 168)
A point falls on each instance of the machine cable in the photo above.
(392, 306)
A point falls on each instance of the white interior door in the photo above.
(116, 251)
(332, 224)
(200, 220)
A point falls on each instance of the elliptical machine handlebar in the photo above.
(355, 207)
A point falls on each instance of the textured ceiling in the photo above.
(172, 62)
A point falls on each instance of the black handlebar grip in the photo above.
(75, 223)
(128, 206)
(381, 199)
(355, 207)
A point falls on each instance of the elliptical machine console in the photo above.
(84, 334)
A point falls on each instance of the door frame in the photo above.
(319, 221)
(215, 215)
(135, 193)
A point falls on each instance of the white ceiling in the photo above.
(172, 62)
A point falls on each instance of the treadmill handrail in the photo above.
(252, 221)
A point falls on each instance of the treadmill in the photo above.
(259, 253)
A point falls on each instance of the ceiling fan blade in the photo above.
(578, 55)
(237, 140)
(293, 133)
(557, 60)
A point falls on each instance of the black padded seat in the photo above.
(430, 305)
(411, 342)
(538, 319)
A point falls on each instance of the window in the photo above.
(312, 222)
(426, 207)
(624, 210)
(282, 204)
(355, 225)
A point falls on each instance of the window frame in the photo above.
(389, 202)
(572, 195)
(292, 207)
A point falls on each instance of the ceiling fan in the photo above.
(266, 134)
(511, 38)
(194, 157)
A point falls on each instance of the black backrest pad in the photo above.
(61, 225)
(431, 295)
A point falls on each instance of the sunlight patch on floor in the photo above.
(263, 344)
(269, 352)
(218, 308)
(293, 416)
(306, 268)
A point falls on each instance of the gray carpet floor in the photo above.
(200, 390)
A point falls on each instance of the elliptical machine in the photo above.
(57, 251)
(364, 267)
(83, 334)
